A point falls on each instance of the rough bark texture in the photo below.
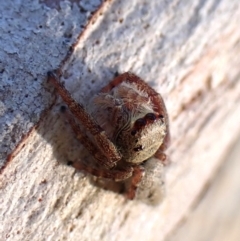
(186, 50)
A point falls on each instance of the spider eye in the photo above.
(139, 123)
(138, 148)
(133, 133)
(151, 116)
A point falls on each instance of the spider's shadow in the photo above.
(58, 133)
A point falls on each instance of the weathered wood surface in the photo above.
(186, 50)
(218, 213)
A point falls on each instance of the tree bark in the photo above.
(186, 50)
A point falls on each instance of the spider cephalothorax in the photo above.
(126, 131)
(126, 113)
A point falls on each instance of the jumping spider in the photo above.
(126, 131)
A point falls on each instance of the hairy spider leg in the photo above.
(105, 145)
(137, 175)
(162, 157)
(85, 140)
(115, 174)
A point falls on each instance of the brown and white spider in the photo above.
(125, 128)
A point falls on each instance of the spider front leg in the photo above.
(137, 175)
(160, 155)
(107, 148)
(84, 140)
(147, 182)
(116, 174)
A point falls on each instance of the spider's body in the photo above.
(126, 131)
(127, 114)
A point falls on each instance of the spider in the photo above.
(125, 128)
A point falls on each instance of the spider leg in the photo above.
(105, 145)
(85, 141)
(147, 182)
(116, 175)
(137, 175)
(162, 157)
